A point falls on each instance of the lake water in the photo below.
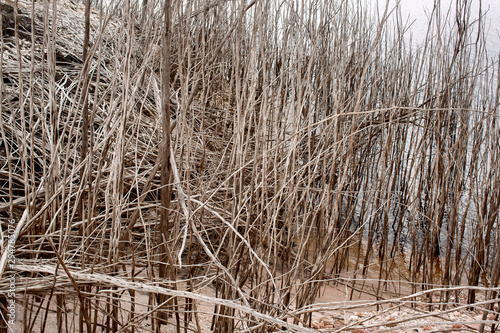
(418, 12)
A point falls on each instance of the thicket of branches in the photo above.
(310, 141)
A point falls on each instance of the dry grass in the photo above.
(310, 144)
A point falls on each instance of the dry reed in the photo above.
(259, 149)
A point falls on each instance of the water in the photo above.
(418, 13)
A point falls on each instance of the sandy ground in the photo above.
(338, 308)
(386, 318)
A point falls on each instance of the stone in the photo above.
(325, 320)
(389, 324)
(353, 318)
